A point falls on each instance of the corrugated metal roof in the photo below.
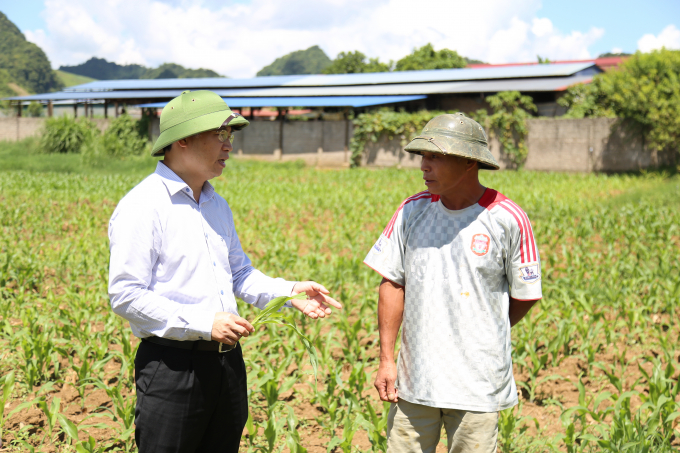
(405, 89)
(331, 80)
(318, 101)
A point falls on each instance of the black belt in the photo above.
(198, 345)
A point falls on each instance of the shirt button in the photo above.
(214, 264)
(187, 189)
(222, 292)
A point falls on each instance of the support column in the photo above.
(115, 104)
(85, 106)
(50, 109)
(106, 109)
(19, 109)
(75, 110)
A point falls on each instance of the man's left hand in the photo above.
(317, 304)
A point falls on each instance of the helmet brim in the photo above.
(452, 146)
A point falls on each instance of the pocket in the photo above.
(148, 360)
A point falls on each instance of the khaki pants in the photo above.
(417, 428)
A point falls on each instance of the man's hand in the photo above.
(229, 328)
(317, 304)
(384, 381)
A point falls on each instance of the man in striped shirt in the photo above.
(460, 267)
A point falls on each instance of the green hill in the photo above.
(70, 80)
(310, 61)
(100, 69)
(23, 63)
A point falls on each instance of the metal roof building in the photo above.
(446, 89)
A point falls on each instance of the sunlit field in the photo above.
(596, 361)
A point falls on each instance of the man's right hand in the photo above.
(384, 381)
(228, 328)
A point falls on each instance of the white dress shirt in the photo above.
(176, 263)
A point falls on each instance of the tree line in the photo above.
(315, 61)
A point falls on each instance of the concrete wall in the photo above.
(316, 142)
(578, 145)
(19, 128)
(575, 145)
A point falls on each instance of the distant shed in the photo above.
(442, 89)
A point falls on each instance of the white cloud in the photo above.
(238, 39)
(669, 38)
(542, 27)
(617, 50)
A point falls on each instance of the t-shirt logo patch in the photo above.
(378, 247)
(530, 274)
(480, 244)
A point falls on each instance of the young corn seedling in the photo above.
(7, 386)
(272, 315)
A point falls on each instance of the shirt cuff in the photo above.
(287, 288)
(199, 323)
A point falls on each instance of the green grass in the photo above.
(25, 155)
(596, 359)
(70, 80)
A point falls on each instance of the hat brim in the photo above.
(196, 126)
(455, 147)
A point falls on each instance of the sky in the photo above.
(237, 38)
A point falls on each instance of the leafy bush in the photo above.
(121, 140)
(35, 109)
(66, 134)
(371, 125)
(585, 101)
(509, 121)
(644, 89)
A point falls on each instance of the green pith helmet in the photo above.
(455, 134)
(194, 112)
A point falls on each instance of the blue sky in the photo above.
(623, 21)
(239, 37)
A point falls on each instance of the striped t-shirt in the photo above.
(459, 269)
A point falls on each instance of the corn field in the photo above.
(596, 361)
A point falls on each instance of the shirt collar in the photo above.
(175, 184)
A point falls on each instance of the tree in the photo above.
(355, 62)
(24, 63)
(309, 61)
(428, 58)
(585, 100)
(100, 69)
(645, 90)
(175, 71)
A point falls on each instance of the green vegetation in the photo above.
(28, 155)
(100, 69)
(371, 126)
(510, 112)
(355, 62)
(428, 58)
(64, 134)
(23, 63)
(122, 140)
(644, 90)
(309, 61)
(596, 360)
(70, 80)
(175, 71)
(423, 58)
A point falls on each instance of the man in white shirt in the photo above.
(460, 266)
(176, 268)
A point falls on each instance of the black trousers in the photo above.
(189, 401)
